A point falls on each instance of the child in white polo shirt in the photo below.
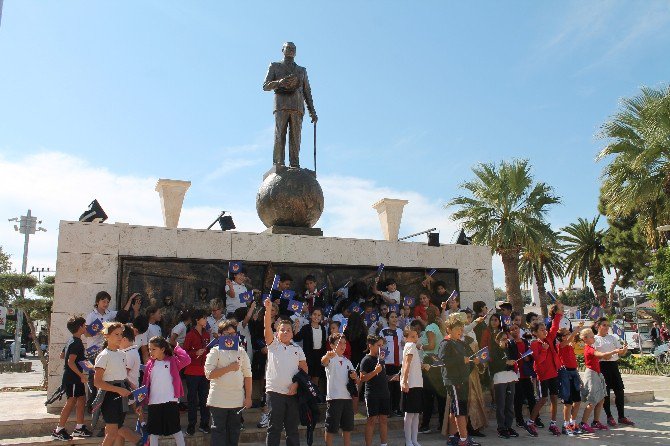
(339, 408)
(284, 360)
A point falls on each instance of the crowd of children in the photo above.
(404, 356)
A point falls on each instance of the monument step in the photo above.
(250, 436)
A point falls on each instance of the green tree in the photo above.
(583, 243)
(506, 211)
(543, 262)
(33, 309)
(637, 180)
(5, 267)
(584, 298)
(660, 282)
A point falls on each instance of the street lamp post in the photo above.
(27, 225)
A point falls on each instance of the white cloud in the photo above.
(58, 187)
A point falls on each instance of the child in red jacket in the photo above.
(547, 363)
(195, 345)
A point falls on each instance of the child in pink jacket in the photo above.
(161, 377)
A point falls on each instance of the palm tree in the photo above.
(505, 211)
(542, 262)
(584, 244)
(637, 181)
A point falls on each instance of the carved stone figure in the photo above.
(289, 82)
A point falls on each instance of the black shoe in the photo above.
(512, 433)
(82, 432)
(520, 423)
(204, 428)
(190, 430)
(398, 413)
(425, 430)
(61, 435)
(539, 423)
(502, 433)
(476, 433)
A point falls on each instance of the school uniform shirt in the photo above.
(194, 342)
(114, 363)
(435, 329)
(590, 359)
(414, 376)
(227, 391)
(547, 361)
(394, 343)
(180, 330)
(233, 303)
(339, 317)
(214, 324)
(162, 390)
(282, 365)
(377, 387)
(98, 339)
(154, 330)
(337, 378)
(394, 296)
(74, 347)
(568, 358)
(133, 362)
(142, 339)
(606, 344)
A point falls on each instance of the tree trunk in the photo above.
(597, 280)
(510, 260)
(542, 291)
(610, 294)
(43, 360)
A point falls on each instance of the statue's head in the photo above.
(288, 49)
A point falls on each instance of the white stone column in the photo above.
(390, 214)
(172, 197)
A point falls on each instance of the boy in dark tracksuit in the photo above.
(524, 390)
(456, 355)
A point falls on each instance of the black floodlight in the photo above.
(94, 213)
(463, 239)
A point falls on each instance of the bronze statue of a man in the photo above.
(289, 82)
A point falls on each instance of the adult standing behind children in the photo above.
(284, 360)
(605, 343)
(229, 372)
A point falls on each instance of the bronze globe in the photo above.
(291, 197)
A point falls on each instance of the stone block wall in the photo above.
(88, 262)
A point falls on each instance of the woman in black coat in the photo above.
(313, 337)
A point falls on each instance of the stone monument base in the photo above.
(290, 230)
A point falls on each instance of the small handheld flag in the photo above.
(142, 431)
(578, 314)
(380, 269)
(328, 310)
(383, 353)
(594, 313)
(275, 282)
(395, 308)
(139, 394)
(229, 342)
(552, 297)
(246, 297)
(93, 350)
(506, 320)
(214, 342)
(265, 297)
(453, 296)
(482, 354)
(95, 327)
(433, 361)
(528, 353)
(343, 325)
(208, 327)
(234, 267)
(619, 331)
(288, 294)
(409, 301)
(295, 306)
(322, 290)
(371, 318)
(547, 321)
(86, 366)
(355, 308)
(432, 271)
(141, 367)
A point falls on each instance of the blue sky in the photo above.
(99, 99)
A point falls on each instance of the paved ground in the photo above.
(653, 419)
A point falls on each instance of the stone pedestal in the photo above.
(292, 230)
(172, 194)
(390, 214)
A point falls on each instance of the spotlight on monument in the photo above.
(94, 213)
(225, 222)
(433, 239)
(463, 239)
